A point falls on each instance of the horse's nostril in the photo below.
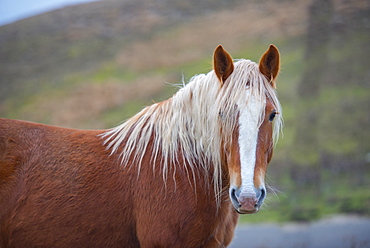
(234, 197)
(263, 193)
(260, 196)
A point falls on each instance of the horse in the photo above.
(176, 174)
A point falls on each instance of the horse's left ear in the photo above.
(270, 64)
(222, 64)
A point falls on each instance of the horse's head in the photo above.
(249, 149)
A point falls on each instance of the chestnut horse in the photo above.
(174, 175)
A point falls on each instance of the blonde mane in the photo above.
(189, 124)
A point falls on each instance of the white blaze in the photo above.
(248, 134)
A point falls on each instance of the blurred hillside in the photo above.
(102, 47)
(330, 152)
(96, 64)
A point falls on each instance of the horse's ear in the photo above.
(270, 64)
(222, 64)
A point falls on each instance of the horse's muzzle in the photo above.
(247, 203)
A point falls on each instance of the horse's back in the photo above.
(60, 187)
(32, 147)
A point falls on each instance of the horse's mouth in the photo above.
(239, 208)
(241, 211)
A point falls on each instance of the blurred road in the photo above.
(333, 232)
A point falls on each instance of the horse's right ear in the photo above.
(222, 64)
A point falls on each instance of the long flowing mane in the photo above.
(188, 126)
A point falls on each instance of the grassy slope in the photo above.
(66, 63)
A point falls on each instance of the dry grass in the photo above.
(234, 28)
(80, 106)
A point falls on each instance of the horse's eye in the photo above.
(272, 115)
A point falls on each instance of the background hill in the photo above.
(96, 64)
(115, 42)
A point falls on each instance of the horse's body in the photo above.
(132, 186)
(60, 187)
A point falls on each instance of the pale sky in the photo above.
(14, 10)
